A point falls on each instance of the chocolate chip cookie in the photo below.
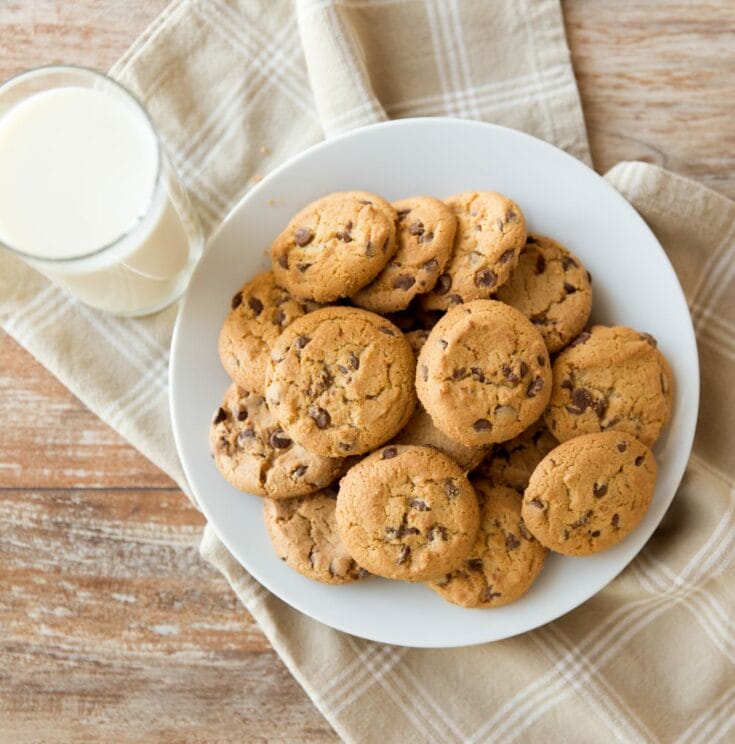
(552, 289)
(590, 492)
(340, 381)
(426, 228)
(484, 373)
(335, 246)
(258, 314)
(255, 454)
(505, 559)
(407, 513)
(491, 232)
(610, 378)
(304, 534)
(511, 463)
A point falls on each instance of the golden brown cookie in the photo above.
(491, 232)
(550, 286)
(511, 463)
(258, 314)
(426, 228)
(255, 455)
(335, 246)
(484, 373)
(588, 493)
(505, 559)
(340, 381)
(407, 513)
(304, 534)
(610, 378)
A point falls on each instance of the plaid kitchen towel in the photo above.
(237, 86)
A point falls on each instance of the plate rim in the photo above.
(252, 194)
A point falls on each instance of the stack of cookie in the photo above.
(400, 422)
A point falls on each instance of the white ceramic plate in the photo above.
(634, 284)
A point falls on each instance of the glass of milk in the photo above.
(87, 194)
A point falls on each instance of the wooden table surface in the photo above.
(112, 627)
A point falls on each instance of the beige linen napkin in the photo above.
(237, 87)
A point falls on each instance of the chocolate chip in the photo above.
(534, 387)
(648, 338)
(485, 278)
(303, 236)
(582, 399)
(369, 251)
(443, 284)
(611, 423)
(596, 533)
(426, 238)
(499, 223)
(442, 343)
(403, 555)
(537, 503)
(236, 300)
(220, 416)
(474, 564)
(283, 261)
(639, 460)
(451, 489)
(419, 505)
(346, 446)
(385, 245)
(344, 236)
(541, 361)
(387, 331)
(248, 433)
(437, 532)
(459, 373)
(454, 299)
(301, 341)
(511, 542)
(568, 262)
(255, 305)
(615, 521)
(302, 267)
(582, 520)
(364, 201)
(403, 281)
(622, 446)
(403, 531)
(431, 265)
(354, 361)
(301, 470)
(343, 369)
(566, 384)
(509, 374)
(321, 417)
(388, 453)
(511, 216)
(488, 595)
(280, 440)
(362, 573)
(569, 289)
(540, 264)
(507, 256)
(416, 228)
(280, 318)
(524, 369)
(477, 374)
(599, 490)
(481, 425)
(402, 213)
(424, 372)
(524, 531)
(582, 338)
(242, 414)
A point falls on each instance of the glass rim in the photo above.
(120, 88)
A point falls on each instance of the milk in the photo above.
(83, 197)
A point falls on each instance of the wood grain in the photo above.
(114, 629)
